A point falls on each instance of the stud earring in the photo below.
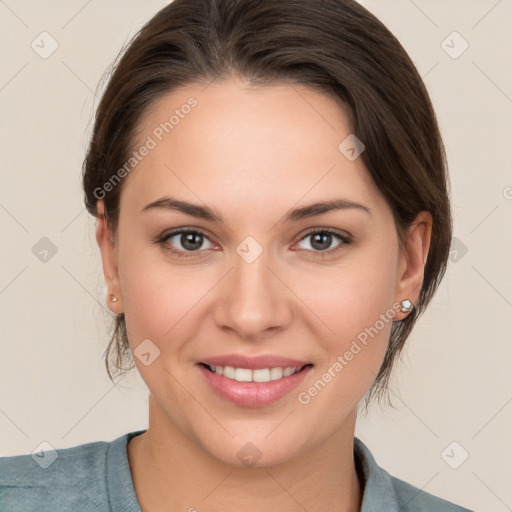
(406, 306)
(113, 298)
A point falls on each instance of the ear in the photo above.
(412, 260)
(107, 247)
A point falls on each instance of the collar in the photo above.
(379, 492)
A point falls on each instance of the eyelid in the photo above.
(162, 239)
(345, 239)
(311, 231)
(343, 236)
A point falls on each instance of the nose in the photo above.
(254, 301)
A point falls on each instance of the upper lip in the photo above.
(253, 363)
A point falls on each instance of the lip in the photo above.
(253, 394)
(253, 363)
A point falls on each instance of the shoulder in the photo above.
(73, 478)
(66, 479)
(383, 491)
(411, 498)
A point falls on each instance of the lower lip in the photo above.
(253, 394)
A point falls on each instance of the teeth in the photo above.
(243, 375)
(288, 371)
(276, 373)
(247, 375)
(262, 375)
(229, 372)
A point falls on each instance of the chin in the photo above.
(256, 450)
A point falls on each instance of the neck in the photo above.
(170, 472)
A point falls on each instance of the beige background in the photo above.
(455, 383)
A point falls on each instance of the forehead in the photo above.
(260, 145)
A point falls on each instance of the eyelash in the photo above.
(163, 239)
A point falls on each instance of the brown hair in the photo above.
(334, 46)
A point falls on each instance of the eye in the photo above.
(322, 240)
(185, 242)
(190, 242)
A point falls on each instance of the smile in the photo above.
(254, 387)
(248, 375)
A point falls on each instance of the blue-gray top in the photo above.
(95, 477)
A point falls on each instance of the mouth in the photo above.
(267, 381)
(256, 375)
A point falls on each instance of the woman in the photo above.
(270, 190)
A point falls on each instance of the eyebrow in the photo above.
(304, 212)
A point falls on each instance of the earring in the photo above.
(406, 306)
(113, 298)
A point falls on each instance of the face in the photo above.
(221, 264)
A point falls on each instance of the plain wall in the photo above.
(454, 383)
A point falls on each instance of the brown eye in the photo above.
(322, 241)
(186, 242)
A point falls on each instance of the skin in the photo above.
(252, 154)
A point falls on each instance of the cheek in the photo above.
(352, 296)
(354, 355)
(355, 306)
(159, 299)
